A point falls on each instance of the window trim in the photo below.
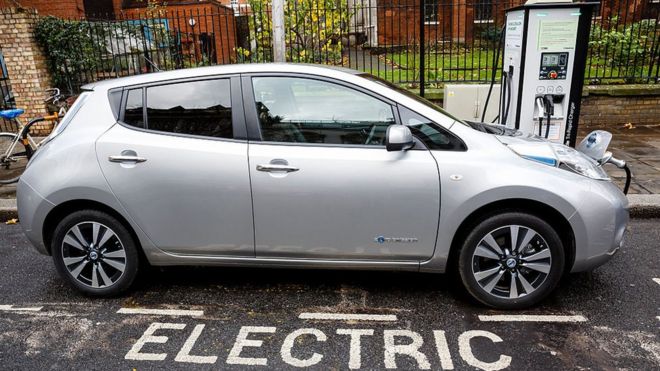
(252, 117)
(237, 114)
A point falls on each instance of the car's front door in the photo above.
(177, 162)
(323, 184)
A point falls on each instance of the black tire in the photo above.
(478, 269)
(100, 266)
(13, 167)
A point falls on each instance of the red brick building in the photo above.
(58, 8)
(398, 21)
(206, 28)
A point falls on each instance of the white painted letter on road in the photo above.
(242, 341)
(148, 337)
(184, 353)
(412, 349)
(290, 340)
(355, 359)
(443, 350)
(465, 350)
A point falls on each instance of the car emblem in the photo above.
(382, 239)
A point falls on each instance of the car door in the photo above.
(177, 162)
(323, 184)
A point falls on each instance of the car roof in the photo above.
(324, 70)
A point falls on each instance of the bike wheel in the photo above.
(12, 164)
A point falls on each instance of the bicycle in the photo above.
(16, 149)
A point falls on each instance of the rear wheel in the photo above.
(511, 260)
(14, 161)
(95, 253)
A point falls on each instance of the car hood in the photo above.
(529, 146)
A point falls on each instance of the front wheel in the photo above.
(13, 158)
(511, 260)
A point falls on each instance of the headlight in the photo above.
(570, 159)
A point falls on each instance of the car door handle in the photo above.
(274, 168)
(123, 158)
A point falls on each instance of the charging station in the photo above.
(545, 51)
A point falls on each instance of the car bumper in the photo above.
(32, 211)
(599, 226)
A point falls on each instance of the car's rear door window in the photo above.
(304, 110)
(200, 108)
(133, 115)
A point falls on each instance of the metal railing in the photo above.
(414, 43)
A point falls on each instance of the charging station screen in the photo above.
(550, 60)
(553, 66)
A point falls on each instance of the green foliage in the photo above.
(313, 31)
(623, 45)
(490, 35)
(69, 47)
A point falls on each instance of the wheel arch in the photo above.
(533, 207)
(71, 206)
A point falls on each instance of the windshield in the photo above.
(411, 95)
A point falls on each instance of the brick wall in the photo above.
(26, 63)
(398, 23)
(210, 18)
(58, 8)
(639, 110)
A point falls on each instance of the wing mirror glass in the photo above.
(398, 138)
(595, 145)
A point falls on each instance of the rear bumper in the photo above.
(599, 226)
(32, 211)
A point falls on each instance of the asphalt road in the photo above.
(245, 318)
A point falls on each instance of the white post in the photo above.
(278, 31)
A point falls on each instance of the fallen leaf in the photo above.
(629, 126)
(12, 221)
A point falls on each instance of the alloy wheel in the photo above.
(93, 254)
(511, 262)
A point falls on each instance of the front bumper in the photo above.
(599, 226)
(32, 211)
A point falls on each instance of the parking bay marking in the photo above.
(162, 312)
(657, 280)
(253, 337)
(12, 309)
(349, 317)
(531, 318)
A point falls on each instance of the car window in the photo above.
(302, 110)
(200, 108)
(433, 135)
(133, 113)
(197, 108)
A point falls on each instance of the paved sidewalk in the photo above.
(640, 148)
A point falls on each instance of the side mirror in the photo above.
(398, 138)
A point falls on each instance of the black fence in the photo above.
(415, 43)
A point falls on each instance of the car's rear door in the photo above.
(323, 184)
(177, 162)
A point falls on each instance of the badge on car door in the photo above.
(382, 239)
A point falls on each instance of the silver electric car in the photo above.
(303, 166)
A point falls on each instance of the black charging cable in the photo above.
(496, 59)
(506, 90)
(549, 105)
(628, 178)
